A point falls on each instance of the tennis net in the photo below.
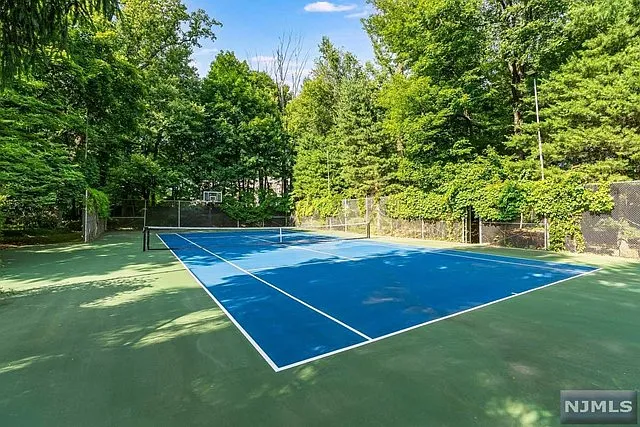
(156, 238)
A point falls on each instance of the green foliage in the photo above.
(501, 201)
(322, 207)
(36, 171)
(413, 203)
(337, 128)
(243, 139)
(138, 177)
(251, 208)
(98, 203)
(444, 124)
(28, 27)
(591, 105)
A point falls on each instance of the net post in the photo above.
(144, 239)
(280, 230)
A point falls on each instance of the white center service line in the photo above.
(328, 316)
(307, 249)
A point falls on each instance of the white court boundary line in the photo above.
(255, 345)
(322, 356)
(309, 306)
(370, 340)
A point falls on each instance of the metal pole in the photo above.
(178, 213)
(546, 225)
(480, 230)
(86, 190)
(344, 213)
(535, 90)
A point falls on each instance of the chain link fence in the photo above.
(136, 214)
(616, 233)
(377, 212)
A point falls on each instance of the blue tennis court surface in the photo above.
(297, 303)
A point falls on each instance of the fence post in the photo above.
(480, 230)
(422, 228)
(366, 209)
(178, 213)
(344, 213)
(464, 229)
(330, 223)
(546, 233)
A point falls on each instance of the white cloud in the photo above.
(326, 7)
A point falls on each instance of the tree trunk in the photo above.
(517, 78)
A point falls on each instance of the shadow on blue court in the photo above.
(300, 303)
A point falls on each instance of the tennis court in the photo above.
(299, 295)
(105, 334)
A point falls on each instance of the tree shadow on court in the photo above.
(149, 348)
(127, 351)
(113, 254)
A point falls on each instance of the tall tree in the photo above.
(311, 120)
(243, 144)
(444, 100)
(530, 41)
(159, 37)
(28, 28)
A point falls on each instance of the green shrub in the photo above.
(98, 203)
(323, 207)
(415, 203)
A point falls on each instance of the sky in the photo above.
(251, 28)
